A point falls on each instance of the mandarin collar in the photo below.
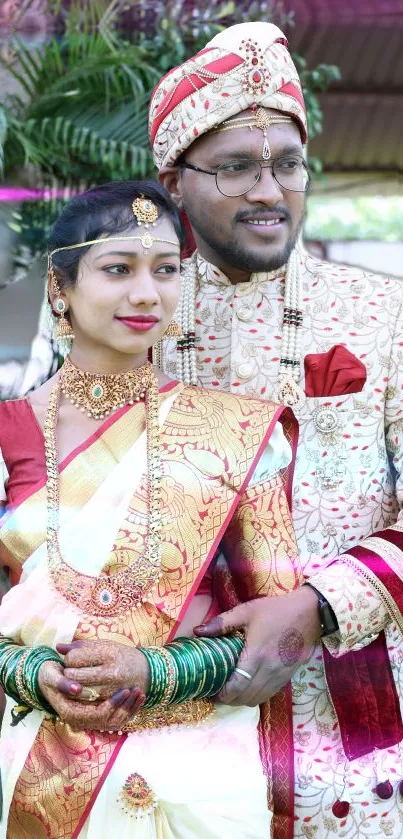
(209, 274)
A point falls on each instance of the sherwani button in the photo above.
(244, 312)
(244, 370)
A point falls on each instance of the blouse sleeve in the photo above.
(3, 478)
(277, 455)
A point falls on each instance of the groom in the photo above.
(262, 317)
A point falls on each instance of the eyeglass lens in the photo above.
(239, 177)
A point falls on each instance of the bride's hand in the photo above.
(104, 666)
(110, 714)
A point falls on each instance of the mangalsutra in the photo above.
(106, 595)
(98, 395)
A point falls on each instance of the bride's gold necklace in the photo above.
(105, 596)
(98, 395)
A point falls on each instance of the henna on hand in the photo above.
(290, 646)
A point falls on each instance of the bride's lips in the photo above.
(139, 323)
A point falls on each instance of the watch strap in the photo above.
(327, 617)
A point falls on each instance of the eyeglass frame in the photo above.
(194, 168)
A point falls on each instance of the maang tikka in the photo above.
(146, 213)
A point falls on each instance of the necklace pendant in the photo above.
(289, 393)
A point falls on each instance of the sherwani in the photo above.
(348, 484)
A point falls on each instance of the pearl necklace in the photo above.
(288, 391)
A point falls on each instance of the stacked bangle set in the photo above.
(19, 668)
(186, 668)
(190, 668)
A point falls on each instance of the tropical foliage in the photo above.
(79, 114)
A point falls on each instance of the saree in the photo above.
(218, 492)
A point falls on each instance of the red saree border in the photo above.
(291, 431)
(90, 440)
(281, 736)
(99, 785)
(230, 513)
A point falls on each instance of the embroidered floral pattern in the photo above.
(238, 339)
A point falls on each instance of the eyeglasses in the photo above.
(237, 177)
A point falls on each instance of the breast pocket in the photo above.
(337, 438)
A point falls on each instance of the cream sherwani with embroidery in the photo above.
(347, 485)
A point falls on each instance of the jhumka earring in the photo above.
(64, 329)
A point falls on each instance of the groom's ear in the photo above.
(170, 178)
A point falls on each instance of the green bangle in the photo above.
(190, 668)
(158, 676)
(19, 669)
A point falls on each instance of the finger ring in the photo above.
(243, 673)
(89, 694)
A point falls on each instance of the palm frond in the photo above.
(61, 145)
(3, 135)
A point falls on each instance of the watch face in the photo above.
(328, 619)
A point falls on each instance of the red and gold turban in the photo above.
(245, 65)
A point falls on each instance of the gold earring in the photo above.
(173, 330)
(64, 329)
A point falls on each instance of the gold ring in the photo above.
(89, 695)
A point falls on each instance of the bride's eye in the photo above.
(116, 269)
(167, 269)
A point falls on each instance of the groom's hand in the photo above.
(279, 635)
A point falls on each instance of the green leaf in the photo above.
(3, 135)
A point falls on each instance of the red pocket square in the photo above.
(334, 373)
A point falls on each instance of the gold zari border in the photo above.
(191, 712)
(374, 581)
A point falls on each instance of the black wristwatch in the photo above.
(327, 617)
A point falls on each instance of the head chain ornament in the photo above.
(260, 119)
(145, 212)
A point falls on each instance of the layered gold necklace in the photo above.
(105, 595)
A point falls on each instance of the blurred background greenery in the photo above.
(76, 78)
(76, 113)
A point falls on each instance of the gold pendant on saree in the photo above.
(137, 798)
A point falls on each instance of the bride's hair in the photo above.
(104, 210)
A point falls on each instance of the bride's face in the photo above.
(126, 294)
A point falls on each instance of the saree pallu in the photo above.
(58, 783)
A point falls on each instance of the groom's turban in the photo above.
(246, 65)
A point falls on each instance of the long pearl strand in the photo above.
(288, 391)
(187, 371)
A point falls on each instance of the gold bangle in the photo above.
(172, 676)
(19, 681)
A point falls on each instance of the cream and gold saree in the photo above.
(209, 768)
